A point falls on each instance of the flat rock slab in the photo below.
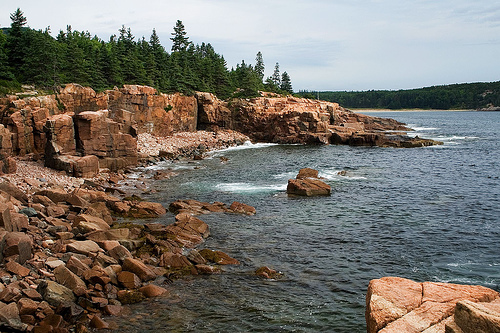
(395, 305)
(84, 247)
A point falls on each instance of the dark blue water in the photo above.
(428, 214)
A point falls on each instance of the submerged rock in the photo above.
(268, 273)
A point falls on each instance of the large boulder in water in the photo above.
(308, 184)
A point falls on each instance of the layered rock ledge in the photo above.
(399, 305)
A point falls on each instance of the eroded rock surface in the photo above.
(395, 304)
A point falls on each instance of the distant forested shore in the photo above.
(464, 96)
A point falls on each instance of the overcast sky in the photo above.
(322, 44)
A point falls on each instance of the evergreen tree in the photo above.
(259, 65)
(276, 78)
(245, 78)
(286, 83)
(74, 63)
(40, 65)
(16, 41)
(132, 68)
(179, 39)
(5, 72)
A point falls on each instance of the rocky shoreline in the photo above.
(67, 261)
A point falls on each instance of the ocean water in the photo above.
(427, 214)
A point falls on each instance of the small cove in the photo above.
(428, 214)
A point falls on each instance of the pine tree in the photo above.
(5, 72)
(276, 75)
(179, 39)
(16, 41)
(40, 61)
(286, 83)
(259, 65)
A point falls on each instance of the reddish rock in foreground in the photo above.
(396, 304)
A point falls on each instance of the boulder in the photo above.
(54, 293)
(87, 223)
(67, 278)
(188, 231)
(307, 173)
(138, 268)
(152, 290)
(17, 244)
(85, 247)
(129, 280)
(218, 257)
(241, 208)
(17, 269)
(174, 261)
(76, 266)
(11, 293)
(308, 187)
(195, 207)
(13, 190)
(268, 273)
(9, 317)
(27, 306)
(207, 269)
(120, 252)
(396, 304)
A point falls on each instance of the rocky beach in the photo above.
(71, 254)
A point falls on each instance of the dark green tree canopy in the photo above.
(35, 57)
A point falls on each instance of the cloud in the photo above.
(322, 44)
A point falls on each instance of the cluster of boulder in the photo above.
(65, 261)
(395, 304)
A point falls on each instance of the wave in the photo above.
(420, 128)
(250, 188)
(336, 175)
(456, 138)
(247, 145)
(285, 175)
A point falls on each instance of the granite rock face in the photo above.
(301, 120)
(78, 122)
(395, 304)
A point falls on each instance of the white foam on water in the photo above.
(247, 145)
(247, 187)
(456, 138)
(286, 175)
(421, 128)
(335, 175)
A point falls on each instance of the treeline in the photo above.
(29, 56)
(448, 97)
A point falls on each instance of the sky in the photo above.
(339, 45)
